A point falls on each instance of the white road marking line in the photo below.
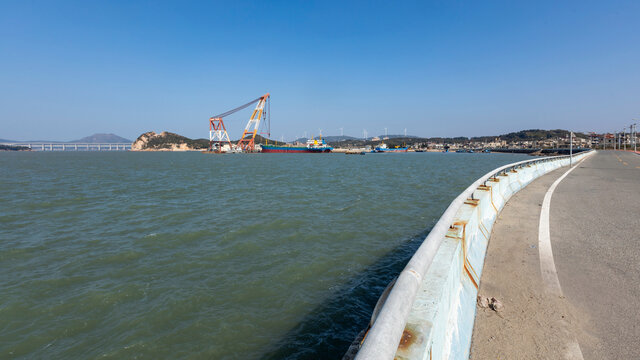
(548, 266)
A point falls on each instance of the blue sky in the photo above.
(436, 68)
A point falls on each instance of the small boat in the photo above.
(382, 148)
(355, 152)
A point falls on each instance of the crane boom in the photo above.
(238, 108)
(247, 140)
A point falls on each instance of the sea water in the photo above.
(186, 255)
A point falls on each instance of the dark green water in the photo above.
(186, 255)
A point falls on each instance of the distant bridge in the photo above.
(49, 146)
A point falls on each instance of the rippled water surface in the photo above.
(187, 255)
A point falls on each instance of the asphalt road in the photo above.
(595, 235)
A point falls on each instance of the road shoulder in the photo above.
(532, 323)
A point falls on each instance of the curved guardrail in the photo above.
(390, 334)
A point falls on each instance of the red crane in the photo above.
(218, 133)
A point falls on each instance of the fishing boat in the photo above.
(312, 146)
(383, 148)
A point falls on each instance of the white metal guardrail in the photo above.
(439, 324)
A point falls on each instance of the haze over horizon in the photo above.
(72, 69)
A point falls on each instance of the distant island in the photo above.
(102, 138)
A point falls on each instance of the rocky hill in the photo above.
(13, 148)
(524, 135)
(531, 135)
(166, 141)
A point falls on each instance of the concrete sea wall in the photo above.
(430, 310)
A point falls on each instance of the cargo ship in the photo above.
(313, 146)
(384, 149)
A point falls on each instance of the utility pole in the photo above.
(635, 136)
(632, 141)
(624, 138)
(571, 150)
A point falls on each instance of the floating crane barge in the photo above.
(219, 141)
